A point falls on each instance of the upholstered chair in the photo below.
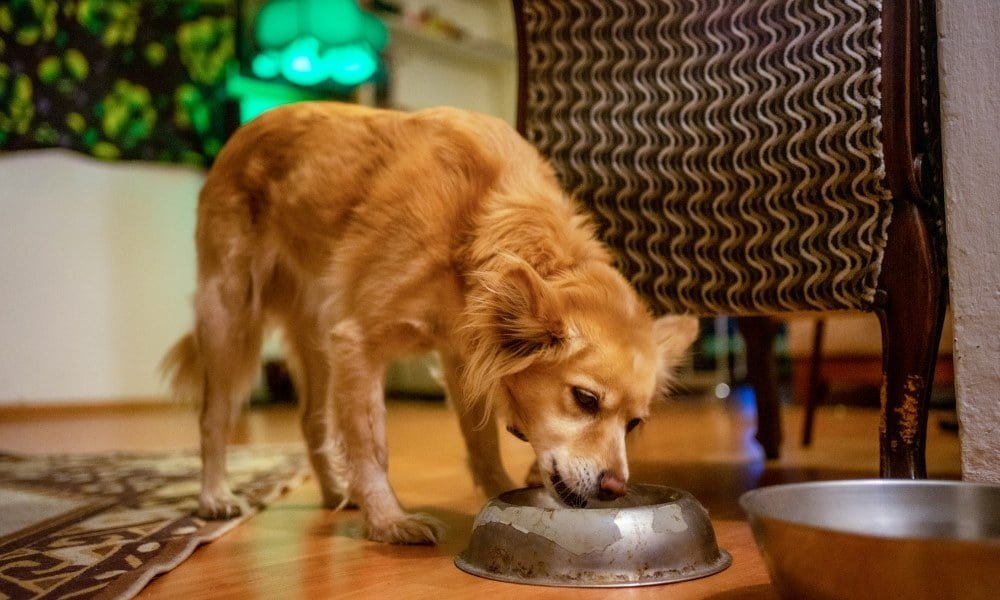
(757, 158)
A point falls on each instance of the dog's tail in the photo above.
(183, 369)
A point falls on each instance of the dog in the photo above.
(369, 234)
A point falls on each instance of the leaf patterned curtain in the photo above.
(117, 79)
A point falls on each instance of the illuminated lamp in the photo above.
(311, 43)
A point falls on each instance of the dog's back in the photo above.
(311, 174)
(326, 203)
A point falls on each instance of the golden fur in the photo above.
(366, 235)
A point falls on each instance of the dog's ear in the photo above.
(525, 311)
(673, 335)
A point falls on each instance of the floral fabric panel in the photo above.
(117, 79)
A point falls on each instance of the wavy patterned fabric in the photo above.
(729, 149)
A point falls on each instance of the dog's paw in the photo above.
(219, 507)
(408, 529)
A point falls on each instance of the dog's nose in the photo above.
(611, 486)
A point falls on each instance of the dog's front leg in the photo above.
(360, 409)
(479, 429)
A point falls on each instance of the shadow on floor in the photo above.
(750, 592)
(718, 486)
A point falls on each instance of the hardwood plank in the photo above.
(296, 549)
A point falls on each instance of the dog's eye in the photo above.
(587, 401)
(632, 425)
(514, 431)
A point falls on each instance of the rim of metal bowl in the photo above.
(748, 497)
(676, 495)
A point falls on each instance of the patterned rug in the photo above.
(102, 526)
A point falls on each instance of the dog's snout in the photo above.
(612, 486)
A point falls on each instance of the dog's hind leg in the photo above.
(311, 373)
(360, 409)
(479, 429)
(229, 331)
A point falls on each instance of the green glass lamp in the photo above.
(312, 43)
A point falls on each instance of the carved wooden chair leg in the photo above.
(815, 392)
(762, 373)
(910, 305)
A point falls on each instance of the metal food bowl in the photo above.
(879, 539)
(652, 535)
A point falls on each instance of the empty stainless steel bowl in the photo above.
(653, 535)
(879, 539)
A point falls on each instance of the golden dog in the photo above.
(369, 234)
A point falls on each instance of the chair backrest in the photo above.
(732, 151)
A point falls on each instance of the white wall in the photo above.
(969, 51)
(96, 274)
(429, 75)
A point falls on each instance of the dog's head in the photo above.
(572, 363)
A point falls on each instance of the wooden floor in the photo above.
(295, 549)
